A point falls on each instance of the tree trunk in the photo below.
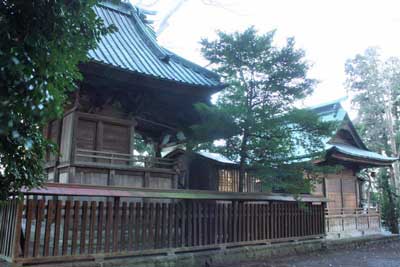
(242, 163)
(391, 213)
(393, 144)
(392, 218)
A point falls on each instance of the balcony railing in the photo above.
(113, 159)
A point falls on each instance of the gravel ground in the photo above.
(379, 255)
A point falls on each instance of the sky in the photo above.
(330, 31)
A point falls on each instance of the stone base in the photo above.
(229, 255)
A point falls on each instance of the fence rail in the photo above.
(51, 230)
(119, 159)
(345, 220)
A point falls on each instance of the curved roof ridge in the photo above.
(192, 65)
(329, 103)
(136, 41)
(148, 37)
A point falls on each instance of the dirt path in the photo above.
(379, 255)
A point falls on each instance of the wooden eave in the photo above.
(104, 73)
(362, 162)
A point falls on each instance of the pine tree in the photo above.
(263, 129)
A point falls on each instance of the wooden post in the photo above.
(18, 229)
(356, 219)
(72, 149)
(116, 223)
(342, 213)
(99, 135)
(235, 220)
(146, 180)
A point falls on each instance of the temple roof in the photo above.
(357, 150)
(134, 48)
(216, 157)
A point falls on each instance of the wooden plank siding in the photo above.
(98, 150)
(58, 229)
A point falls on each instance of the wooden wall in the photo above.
(341, 189)
(101, 133)
(205, 174)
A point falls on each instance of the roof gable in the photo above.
(134, 48)
(345, 133)
(346, 143)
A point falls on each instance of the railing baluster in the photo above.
(38, 226)
(92, 225)
(83, 227)
(131, 224)
(75, 227)
(47, 232)
(100, 222)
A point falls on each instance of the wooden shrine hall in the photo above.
(102, 203)
(346, 149)
(136, 98)
(347, 212)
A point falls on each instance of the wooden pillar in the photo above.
(74, 121)
(324, 187)
(132, 139)
(357, 192)
(56, 172)
(146, 179)
(99, 135)
(341, 192)
(174, 183)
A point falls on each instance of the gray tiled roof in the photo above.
(134, 48)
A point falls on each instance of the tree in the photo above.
(42, 44)
(375, 86)
(267, 132)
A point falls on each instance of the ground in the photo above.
(378, 255)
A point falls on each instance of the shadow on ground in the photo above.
(373, 255)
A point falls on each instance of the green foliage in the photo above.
(42, 44)
(375, 86)
(387, 202)
(266, 132)
(143, 146)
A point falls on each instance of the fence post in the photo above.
(235, 220)
(342, 215)
(17, 234)
(356, 219)
(325, 221)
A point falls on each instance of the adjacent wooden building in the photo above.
(344, 189)
(211, 171)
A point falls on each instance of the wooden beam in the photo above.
(114, 191)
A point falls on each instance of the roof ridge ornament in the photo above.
(134, 48)
(147, 37)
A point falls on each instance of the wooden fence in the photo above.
(347, 220)
(49, 230)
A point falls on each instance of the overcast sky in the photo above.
(329, 31)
